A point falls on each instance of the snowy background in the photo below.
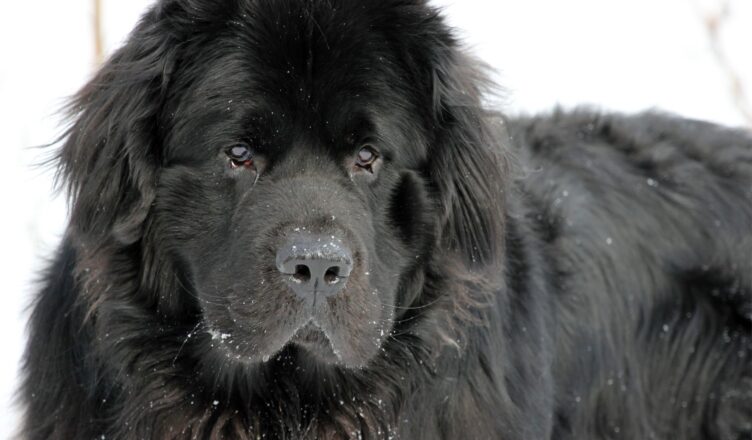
(677, 55)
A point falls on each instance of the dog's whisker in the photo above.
(188, 336)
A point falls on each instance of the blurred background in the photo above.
(689, 57)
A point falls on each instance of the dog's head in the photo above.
(283, 172)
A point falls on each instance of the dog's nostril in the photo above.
(315, 265)
(302, 273)
(332, 275)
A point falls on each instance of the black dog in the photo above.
(294, 219)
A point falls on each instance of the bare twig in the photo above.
(98, 36)
(714, 21)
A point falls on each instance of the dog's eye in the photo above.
(366, 157)
(240, 155)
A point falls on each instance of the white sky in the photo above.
(620, 55)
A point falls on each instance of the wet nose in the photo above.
(315, 265)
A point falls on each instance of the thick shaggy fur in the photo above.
(570, 276)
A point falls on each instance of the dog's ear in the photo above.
(109, 160)
(467, 146)
(467, 165)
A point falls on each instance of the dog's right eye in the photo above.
(240, 155)
(367, 156)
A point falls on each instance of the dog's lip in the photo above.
(313, 337)
(338, 279)
(310, 330)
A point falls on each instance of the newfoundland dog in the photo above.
(295, 219)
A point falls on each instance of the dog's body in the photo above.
(647, 238)
(575, 276)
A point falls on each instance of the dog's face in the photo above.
(290, 189)
(286, 170)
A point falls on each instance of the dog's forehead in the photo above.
(313, 54)
(236, 94)
(305, 62)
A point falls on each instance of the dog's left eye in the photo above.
(366, 157)
(240, 155)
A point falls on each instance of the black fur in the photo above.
(571, 276)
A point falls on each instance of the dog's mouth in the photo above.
(314, 340)
(310, 338)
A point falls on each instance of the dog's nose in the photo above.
(315, 265)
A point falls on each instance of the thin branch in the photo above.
(98, 36)
(714, 22)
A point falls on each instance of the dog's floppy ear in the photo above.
(109, 161)
(468, 166)
(467, 162)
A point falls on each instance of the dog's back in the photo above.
(648, 220)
